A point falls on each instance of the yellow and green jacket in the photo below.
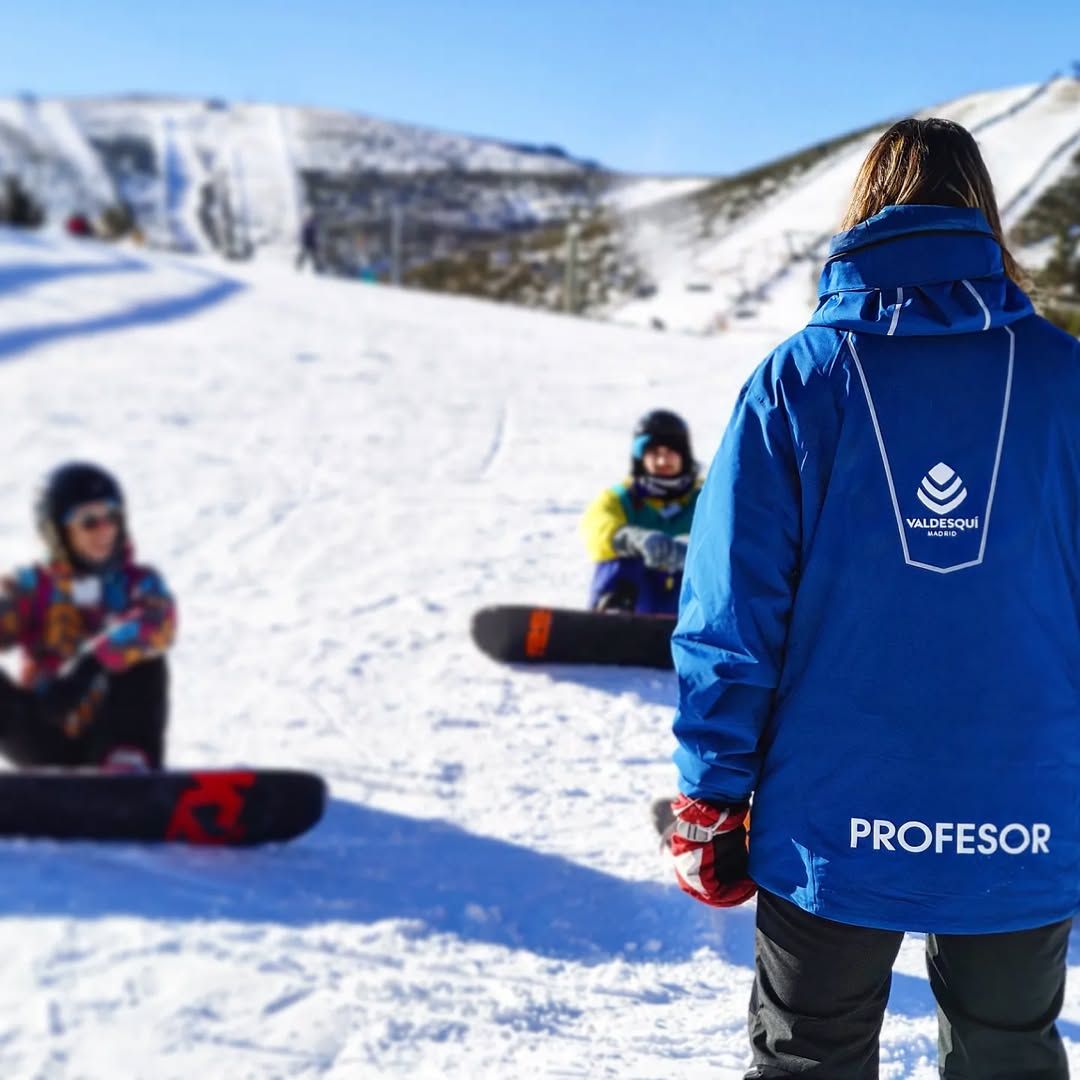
(623, 505)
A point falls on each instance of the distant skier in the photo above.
(879, 639)
(310, 250)
(633, 531)
(93, 627)
(79, 225)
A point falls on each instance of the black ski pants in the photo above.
(133, 713)
(821, 988)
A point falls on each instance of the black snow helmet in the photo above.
(66, 487)
(661, 427)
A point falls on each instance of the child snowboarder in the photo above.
(92, 626)
(632, 530)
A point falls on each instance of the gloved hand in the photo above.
(64, 694)
(708, 847)
(656, 549)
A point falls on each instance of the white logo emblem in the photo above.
(941, 489)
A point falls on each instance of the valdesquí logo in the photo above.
(942, 490)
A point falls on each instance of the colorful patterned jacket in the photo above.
(123, 616)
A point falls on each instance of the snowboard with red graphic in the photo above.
(217, 807)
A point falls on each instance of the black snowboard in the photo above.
(520, 634)
(235, 807)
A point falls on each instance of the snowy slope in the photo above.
(333, 477)
(758, 270)
(641, 192)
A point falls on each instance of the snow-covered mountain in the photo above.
(170, 159)
(526, 224)
(714, 259)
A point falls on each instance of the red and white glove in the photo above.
(708, 848)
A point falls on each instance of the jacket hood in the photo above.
(915, 271)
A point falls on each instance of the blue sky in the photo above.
(683, 87)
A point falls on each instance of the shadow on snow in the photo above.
(144, 313)
(651, 686)
(363, 865)
(17, 277)
(28, 238)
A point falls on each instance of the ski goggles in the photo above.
(92, 520)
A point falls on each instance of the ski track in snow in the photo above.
(498, 437)
(332, 477)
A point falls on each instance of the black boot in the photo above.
(622, 597)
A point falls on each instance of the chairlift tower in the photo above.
(573, 233)
(397, 215)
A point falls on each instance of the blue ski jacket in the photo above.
(879, 628)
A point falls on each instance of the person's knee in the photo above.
(141, 691)
(147, 675)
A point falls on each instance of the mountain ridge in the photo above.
(508, 220)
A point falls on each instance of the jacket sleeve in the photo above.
(16, 605)
(145, 630)
(9, 614)
(603, 518)
(738, 589)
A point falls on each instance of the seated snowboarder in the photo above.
(92, 626)
(634, 530)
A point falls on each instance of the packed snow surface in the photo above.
(333, 477)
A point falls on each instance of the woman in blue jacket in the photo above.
(879, 640)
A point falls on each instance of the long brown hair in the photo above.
(933, 162)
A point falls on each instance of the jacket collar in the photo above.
(918, 270)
